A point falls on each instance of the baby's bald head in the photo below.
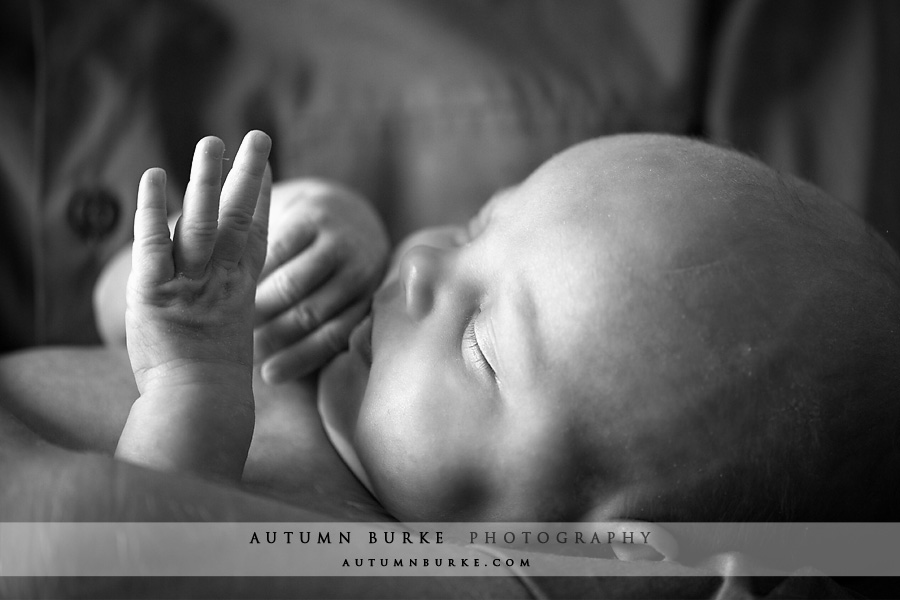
(755, 371)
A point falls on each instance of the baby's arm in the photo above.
(190, 314)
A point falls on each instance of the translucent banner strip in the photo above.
(448, 549)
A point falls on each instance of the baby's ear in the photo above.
(633, 540)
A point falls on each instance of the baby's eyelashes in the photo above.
(475, 347)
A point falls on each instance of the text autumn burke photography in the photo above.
(509, 538)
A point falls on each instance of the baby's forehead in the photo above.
(613, 228)
(660, 196)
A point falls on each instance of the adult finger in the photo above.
(151, 254)
(239, 196)
(195, 232)
(312, 352)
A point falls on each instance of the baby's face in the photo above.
(467, 408)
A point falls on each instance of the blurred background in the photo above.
(426, 107)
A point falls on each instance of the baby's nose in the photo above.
(420, 270)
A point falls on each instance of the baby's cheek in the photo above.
(434, 495)
(415, 483)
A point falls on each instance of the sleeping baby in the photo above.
(648, 327)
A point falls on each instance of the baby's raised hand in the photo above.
(190, 313)
(327, 253)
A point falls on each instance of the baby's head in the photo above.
(648, 327)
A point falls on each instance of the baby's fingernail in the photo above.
(213, 146)
(261, 141)
(156, 176)
(270, 375)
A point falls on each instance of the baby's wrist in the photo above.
(200, 377)
(199, 426)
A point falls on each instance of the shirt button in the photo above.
(93, 213)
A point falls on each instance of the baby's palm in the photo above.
(190, 300)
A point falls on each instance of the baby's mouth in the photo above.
(361, 339)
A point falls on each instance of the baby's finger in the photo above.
(328, 300)
(151, 255)
(294, 281)
(312, 352)
(195, 232)
(306, 316)
(239, 197)
(284, 247)
(255, 255)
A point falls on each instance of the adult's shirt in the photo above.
(81, 84)
(425, 107)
